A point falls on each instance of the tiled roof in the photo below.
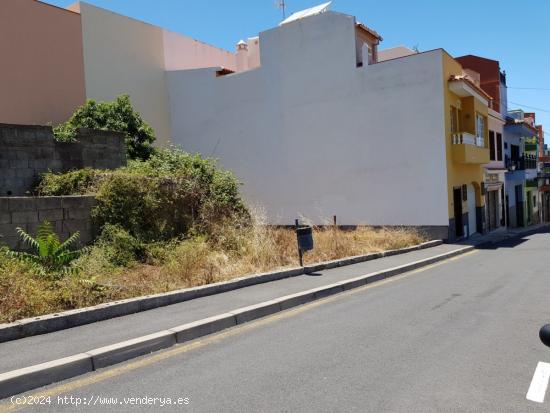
(471, 84)
(369, 30)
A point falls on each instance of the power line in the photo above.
(530, 107)
(529, 88)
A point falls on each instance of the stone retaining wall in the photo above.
(28, 151)
(67, 214)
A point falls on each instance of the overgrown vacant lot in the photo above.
(171, 221)
(109, 273)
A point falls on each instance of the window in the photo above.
(514, 152)
(454, 120)
(492, 145)
(499, 146)
(480, 126)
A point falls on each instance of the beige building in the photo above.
(55, 58)
(42, 69)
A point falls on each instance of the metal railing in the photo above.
(521, 163)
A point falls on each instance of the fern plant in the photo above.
(50, 256)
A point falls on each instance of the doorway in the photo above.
(529, 208)
(457, 201)
(471, 197)
(519, 205)
(504, 208)
(492, 209)
(508, 210)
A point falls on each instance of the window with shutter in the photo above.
(499, 146)
(492, 145)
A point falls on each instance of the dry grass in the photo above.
(232, 253)
(246, 251)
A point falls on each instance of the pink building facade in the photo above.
(42, 70)
(53, 59)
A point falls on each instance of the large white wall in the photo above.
(311, 134)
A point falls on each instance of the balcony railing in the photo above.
(469, 149)
(466, 138)
(521, 163)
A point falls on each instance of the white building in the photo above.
(315, 127)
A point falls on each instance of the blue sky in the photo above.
(516, 32)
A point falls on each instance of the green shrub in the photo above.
(170, 195)
(50, 256)
(116, 116)
(78, 182)
(119, 247)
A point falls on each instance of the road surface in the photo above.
(458, 336)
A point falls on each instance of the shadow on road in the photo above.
(507, 241)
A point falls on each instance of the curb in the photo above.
(22, 380)
(73, 318)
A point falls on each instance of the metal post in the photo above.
(300, 254)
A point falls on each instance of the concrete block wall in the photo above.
(28, 151)
(67, 214)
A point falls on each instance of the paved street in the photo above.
(22, 353)
(460, 336)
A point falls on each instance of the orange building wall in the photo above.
(42, 68)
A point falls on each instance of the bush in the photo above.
(118, 116)
(119, 247)
(77, 182)
(131, 203)
(167, 196)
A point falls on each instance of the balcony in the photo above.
(469, 149)
(467, 139)
(521, 163)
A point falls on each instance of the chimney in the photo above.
(242, 56)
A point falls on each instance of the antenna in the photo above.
(281, 4)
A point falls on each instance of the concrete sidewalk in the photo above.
(42, 348)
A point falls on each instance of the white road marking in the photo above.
(539, 384)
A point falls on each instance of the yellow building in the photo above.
(467, 149)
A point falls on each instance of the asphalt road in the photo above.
(460, 336)
(23, 353)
